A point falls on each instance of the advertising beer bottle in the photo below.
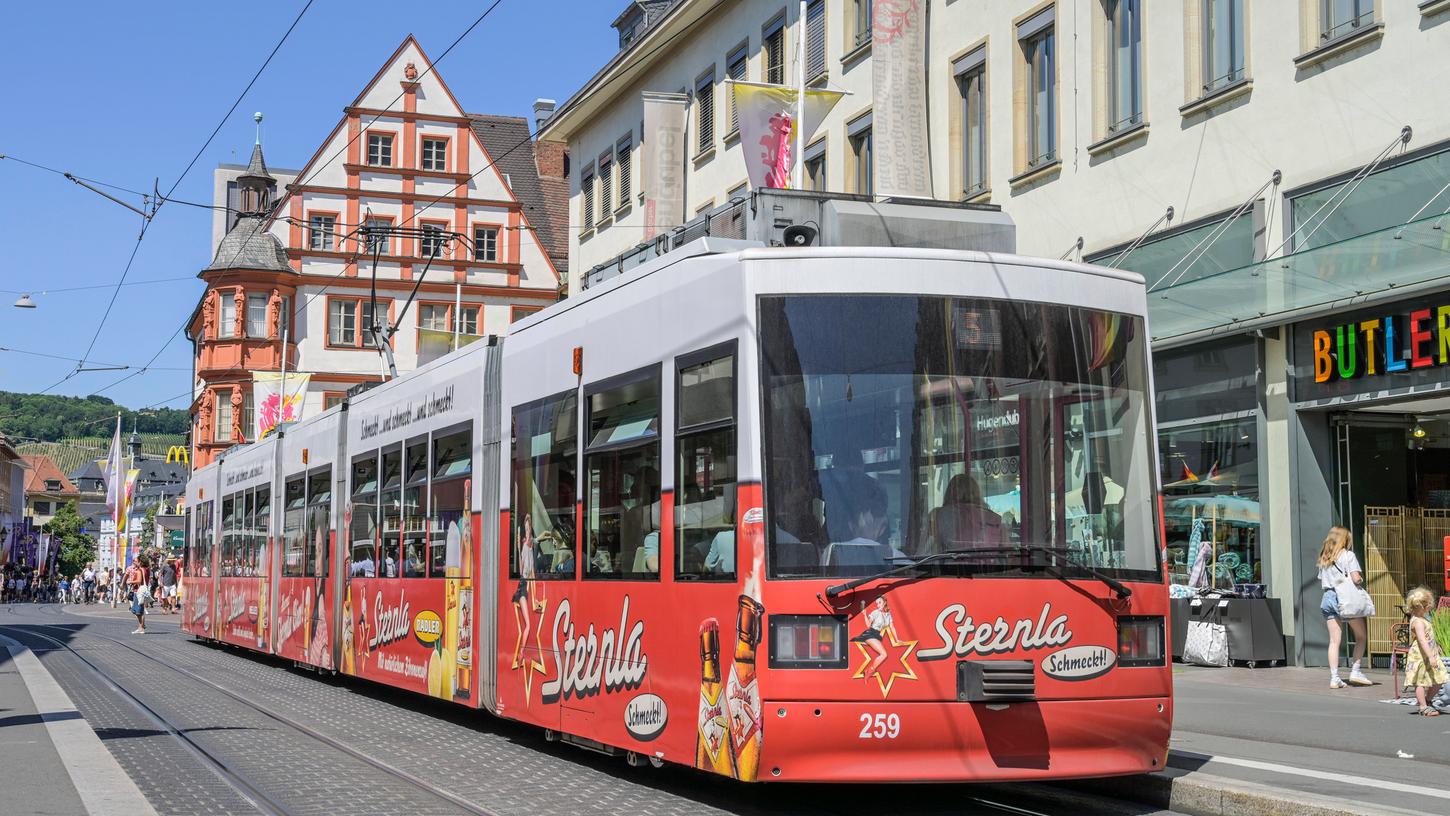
(262, 613)
(741, 694)
(712, 751)
(347, 634)
(463, 601)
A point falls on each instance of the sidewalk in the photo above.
(49, 748)
(1279, 740)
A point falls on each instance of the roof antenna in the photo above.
(257, 117)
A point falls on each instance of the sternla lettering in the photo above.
(962, 637)
(390, 623)
(396, 417)
(588, 664)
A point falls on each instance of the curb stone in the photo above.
(1200, 794)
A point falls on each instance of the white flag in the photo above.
(767, 116)
(662, 176)
(899, 146)
(272, 406)
(115, 474)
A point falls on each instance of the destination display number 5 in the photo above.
(880, 726)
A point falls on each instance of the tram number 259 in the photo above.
(880, 726)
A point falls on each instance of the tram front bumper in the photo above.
(959, 742)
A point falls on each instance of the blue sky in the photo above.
(127, 92)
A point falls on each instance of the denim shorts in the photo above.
(1330, 605)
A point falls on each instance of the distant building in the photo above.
(46, 489)
(12, 493)
(480, 218)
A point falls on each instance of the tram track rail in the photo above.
(249, 789)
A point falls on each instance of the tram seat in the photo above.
(852, 557)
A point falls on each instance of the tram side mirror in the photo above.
(799, 235)
(1094, 491)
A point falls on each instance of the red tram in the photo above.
(779, 514)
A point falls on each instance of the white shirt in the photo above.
(1346, 561)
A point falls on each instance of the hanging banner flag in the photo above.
(113, 471)
(274, 407)
(767, 116)
(434, 343)
(124, 509)
(662, 177)
(899, 146)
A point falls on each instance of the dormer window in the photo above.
(52, 484)
(629, 29)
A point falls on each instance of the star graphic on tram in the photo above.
(897, 650)
(531, 666)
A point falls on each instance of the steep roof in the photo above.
(41, 469)
(509, 143)
(257, 167)
(250, 246)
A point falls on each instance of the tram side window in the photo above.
(318, 556)
(294, 513)
(705, 466)
(228, 560)
(622, 465)
(391, 509)
(452, 531)
(364, 506)
(261, 531)
(415, 509)
(544, 489)
(206, 537)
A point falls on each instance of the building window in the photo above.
(1125, 57)
(222, 432)
(433, 317)
(1223, 43)
(861, 23)
(816, 167)
(1389, 197)
(704, 113)
(772, 48)
(377, 235)
(737, 68)
(606, 184)
(862, 170)
(435, 154)
(249, 413)
(331, 398)
(380, 150)
(256, 314)
(815, 38)
(227, 325)
(42, 508)
(517, 313)
(430, 244)
(485, 244)
(586, 186)
(1340, 17)
(322, 232)
(1212, 470)
(971, 74)
(470, 319)
(1039, 52)
(622, 479)
(349, 321)
(623, 161)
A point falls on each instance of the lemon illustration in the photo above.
(435, 674)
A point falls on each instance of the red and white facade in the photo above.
(404, 154)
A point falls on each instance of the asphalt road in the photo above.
(183, 720)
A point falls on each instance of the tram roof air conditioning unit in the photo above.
(805, 218)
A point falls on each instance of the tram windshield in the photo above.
(902, 426)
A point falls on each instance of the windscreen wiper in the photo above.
(1118, 587)
(833, 591)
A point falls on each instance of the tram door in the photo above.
(303, 619)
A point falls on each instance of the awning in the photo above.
(1370, 267)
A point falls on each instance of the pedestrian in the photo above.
(1424, 668)
(103, 584)
(1337, 561)
(136, 582)
(64, 590)
(167, 580)
(88, 582)
(20, 584)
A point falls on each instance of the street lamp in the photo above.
(25, 302)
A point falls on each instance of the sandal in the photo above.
(1427, 711)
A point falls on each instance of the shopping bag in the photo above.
(1354, 601)
(1207, 644)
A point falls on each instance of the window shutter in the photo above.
(815, 38)
(622, 161)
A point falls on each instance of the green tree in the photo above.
(76, 548)
(148, 528)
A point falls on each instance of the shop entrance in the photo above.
(1392, 474)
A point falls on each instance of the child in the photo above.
(1424, 668)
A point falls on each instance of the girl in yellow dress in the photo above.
(1424, 669)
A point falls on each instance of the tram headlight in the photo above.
(1140, 641)
(807, 642)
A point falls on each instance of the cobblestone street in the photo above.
(207, 730)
